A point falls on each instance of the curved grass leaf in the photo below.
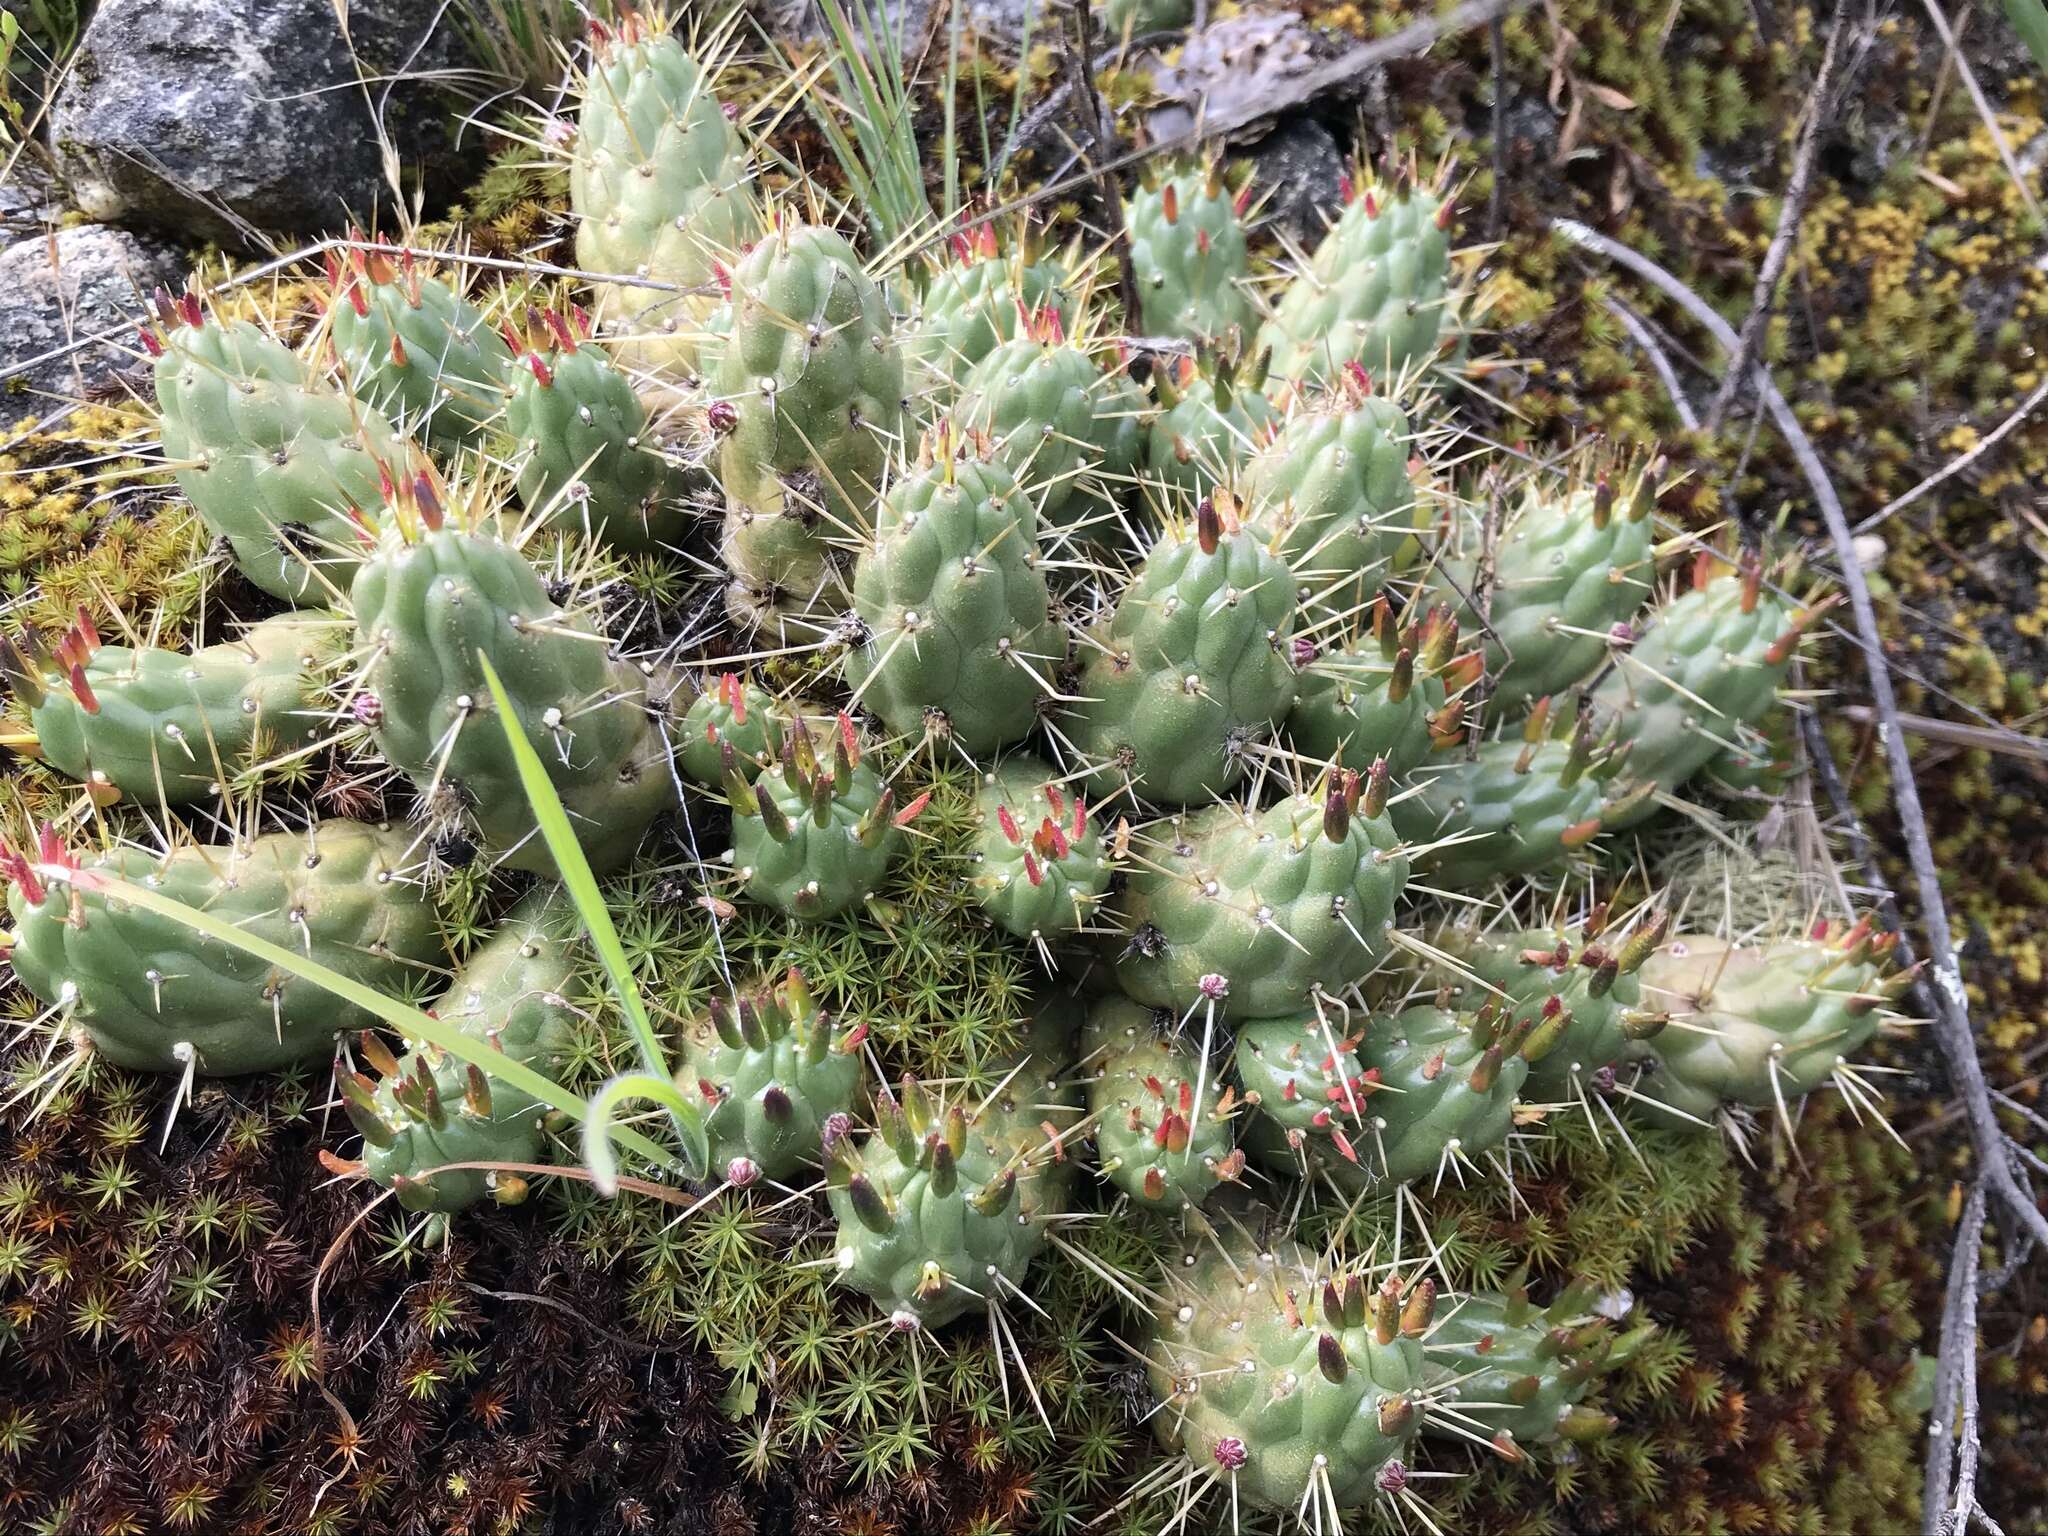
(581, 886)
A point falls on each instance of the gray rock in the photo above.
(228, 119)
(1001, 23)
(1298, 171)
(97, 281)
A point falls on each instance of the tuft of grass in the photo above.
(523, 42)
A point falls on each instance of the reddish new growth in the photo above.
(732, 693)
(1042, 325)
(51, 853)
(25, 665)
(1051, 842)
(369, 264)
(627, 31)
(978, 243)
(545, 330)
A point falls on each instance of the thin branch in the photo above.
(1101, 138)
(1956, 466)
(1639, 333)
(1975, 737)
(1969, 79)
(1794, 209)
(1497, 48)
(1955, 1380)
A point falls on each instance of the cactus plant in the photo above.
(769, 1077)
(811, 381)
(1518, 1374)
(1353, 708)
(1191, 669)
(813, 838)
(1760, 1026)
(164, 727)
(660, 184)
(1517, 807)
(586, 455)
(153, 995)
(1164, 1124)
(430, 1109)
(414, 348)
(1067, 429)
(1561, 578)
(944, 1206)
(1257, 914)
(974, 303)
(1420, 1096)
(1705, 673)
(435, 595)
(960, 638)
(1332, 489)
(269, 458)
(1288, 1379)
(1186, 237)
(1212, 416)
(1039, 866)
(1376, 293)
(1578, 986)
(731, 709)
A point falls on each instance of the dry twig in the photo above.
(1794, 209)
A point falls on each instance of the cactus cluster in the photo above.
(1223, 686)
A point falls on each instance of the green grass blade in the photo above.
(590, 906)
(2029, 18)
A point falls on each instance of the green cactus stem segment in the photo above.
(1164, 1126)
(1377, 291)
(960, 638)
(1187, 254)
(1256, 914)
(587, 457)
(1040, 868)
(944, 1206)
(1521, 1373)
(154, 996)
(428, 601)
(1760, 1026)
(165, 727)
(1287, 1378)
(810, 837)
(772, 1076)
(661, 187)
(414, 348)
(270, 458)
(1191, 669)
